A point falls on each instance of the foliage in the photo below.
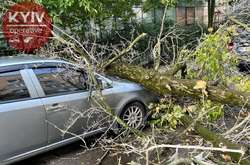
(166, 113)
(76, 13)
(244, 85)
(213, 60)
(241, 82)
(151, 4)
(206, 110)
(214, 110)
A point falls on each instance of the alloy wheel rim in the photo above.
(133, 117)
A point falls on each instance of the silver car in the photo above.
(44, 104)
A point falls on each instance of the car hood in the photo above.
(125, 83)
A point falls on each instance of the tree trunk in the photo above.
(166, 84)
(211, 9)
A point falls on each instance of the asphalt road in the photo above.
(76, 154)
(71, 154)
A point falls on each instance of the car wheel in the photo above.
(134, 115)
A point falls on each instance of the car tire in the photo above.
(134, 115)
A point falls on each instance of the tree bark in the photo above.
(211, 9)
(164, 83)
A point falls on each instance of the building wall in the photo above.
(190, 13)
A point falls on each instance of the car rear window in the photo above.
(12, 87)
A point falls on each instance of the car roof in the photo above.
(25, 59)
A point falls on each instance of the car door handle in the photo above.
(55, 107)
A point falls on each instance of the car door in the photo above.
(22, 115)
(64, 93)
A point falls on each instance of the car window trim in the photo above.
(38, 65)
(17, 101)
(33, 65)
(11, 68)
(36, 83)
(29, 83)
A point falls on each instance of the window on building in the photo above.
(190, 15)
(185, 15)
(181, 15)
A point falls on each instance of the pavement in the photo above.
(76, 154)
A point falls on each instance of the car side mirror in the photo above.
(103, 83)
(106, 84)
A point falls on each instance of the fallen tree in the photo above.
(164, 83)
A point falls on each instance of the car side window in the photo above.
(60, 80)
(12, 87)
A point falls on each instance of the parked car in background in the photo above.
(44, 105)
